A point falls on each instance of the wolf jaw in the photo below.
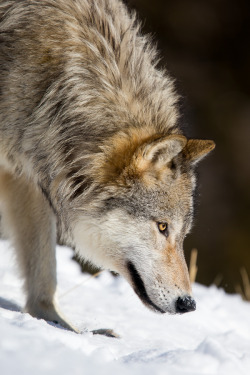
(140, 289)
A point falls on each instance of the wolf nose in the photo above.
(185, 304)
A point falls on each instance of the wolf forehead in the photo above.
(149, 174)
(161, 202)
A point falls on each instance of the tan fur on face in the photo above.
(117, 155)
(175, 262)
(136, 154)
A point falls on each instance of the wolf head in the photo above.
(145, 208)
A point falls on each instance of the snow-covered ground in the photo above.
(215, 339)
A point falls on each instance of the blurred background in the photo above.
(205, 46)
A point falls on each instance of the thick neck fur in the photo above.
(98, 79)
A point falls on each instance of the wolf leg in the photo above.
(31, 225)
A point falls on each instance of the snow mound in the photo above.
(215, 339)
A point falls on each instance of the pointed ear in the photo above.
(197, 149)
(163, 149)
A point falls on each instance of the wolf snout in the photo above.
(185, 304)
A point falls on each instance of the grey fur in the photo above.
(77, 79)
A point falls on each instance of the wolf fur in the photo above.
(91, 151)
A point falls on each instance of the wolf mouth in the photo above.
(140, 289)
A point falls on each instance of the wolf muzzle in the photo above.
(182, 305)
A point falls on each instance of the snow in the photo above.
(215, 339)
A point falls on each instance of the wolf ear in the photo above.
(197, 149)
(164, 149)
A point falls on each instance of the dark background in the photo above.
(205, 46)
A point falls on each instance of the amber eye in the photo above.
(163, 228)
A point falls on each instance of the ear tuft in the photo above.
(164, 149)
(197, 149)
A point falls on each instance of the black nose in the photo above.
(185, 304)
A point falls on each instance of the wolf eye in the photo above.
(163, 228)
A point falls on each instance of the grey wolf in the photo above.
(91, 151)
